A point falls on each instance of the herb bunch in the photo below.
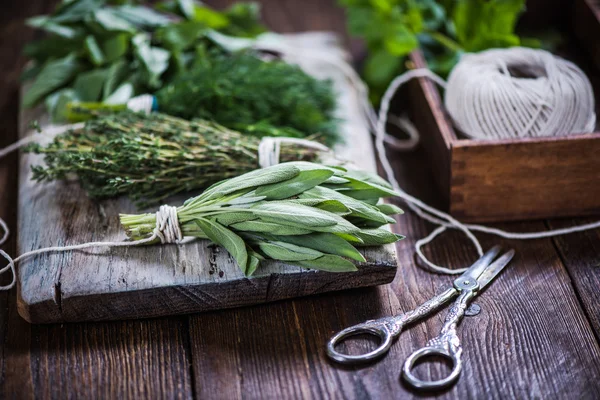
(150, 157)
(301, 213)
(254, 96)
(111, 50)
(443, 29)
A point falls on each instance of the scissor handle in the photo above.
(385, 329)
(428, 352)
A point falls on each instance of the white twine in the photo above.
(517, 93)
(269, 148)
(142, 103)
(167, 230)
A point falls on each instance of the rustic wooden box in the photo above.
(501, 180)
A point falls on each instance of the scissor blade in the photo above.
(475, 270)
(494, 269)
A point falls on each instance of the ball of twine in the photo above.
(518, 93)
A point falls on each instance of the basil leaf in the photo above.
(111, 22)
(180, 36)
(329, 263)
(88, 85)
(226, 238)
(288, 252)
(154, 60)
(142, 17)
(49, 25)
(54, 74)
(95, 54)
(76, 10)
(115, 76)
(326, 243)
(115, 46)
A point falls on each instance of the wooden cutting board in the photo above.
(105, 284)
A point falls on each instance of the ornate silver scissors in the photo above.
(447, 344)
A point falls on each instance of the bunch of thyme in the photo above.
(300, 213)
(150, 157)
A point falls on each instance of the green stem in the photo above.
(445, 41)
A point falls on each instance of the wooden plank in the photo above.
(104, 284)
(580, 253)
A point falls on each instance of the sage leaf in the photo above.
(306, 179)
(329, 263)
(234, 218)
(222, 236)
(268, 227)
(253, 263)
(54, 75)
(389, 209)
(327, 243)
(297, 215)
(288, 252)
(377, 237)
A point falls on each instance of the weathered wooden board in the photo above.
(151, 281)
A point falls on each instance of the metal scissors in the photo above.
(447, 344)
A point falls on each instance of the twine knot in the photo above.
(167, 225)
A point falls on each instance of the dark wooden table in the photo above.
(537, 335)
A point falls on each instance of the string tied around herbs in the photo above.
(167, 230)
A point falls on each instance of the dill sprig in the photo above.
(150, 157)
(253, 96)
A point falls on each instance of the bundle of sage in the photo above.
(301, 213)
(151, 157)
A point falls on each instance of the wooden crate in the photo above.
(500, 180)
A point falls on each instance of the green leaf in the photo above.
(326, 243)
(377, 237)
(116, 46)
(180, 36)
(253, 263)
(108, 20)
(481, 24)
(54, 75)
(288, 252)
(226, 238)
(115, 76)
(57, 104)
(88, 85)
(187, 8)
(49, 25)
(259, 177)
(244, 20)
(75, 11)
(296, 215)
(93, 51)
(142, 16)
(305, 180)
(333, 206)
(329, 263)
(389, 209)
(381, 67)
(154, 60)
(235, 217)
(209, 17)
(269, 227)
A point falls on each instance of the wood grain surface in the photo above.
(536, 336)
(151, 281)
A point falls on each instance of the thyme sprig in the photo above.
(150, 157)
(300, 213)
